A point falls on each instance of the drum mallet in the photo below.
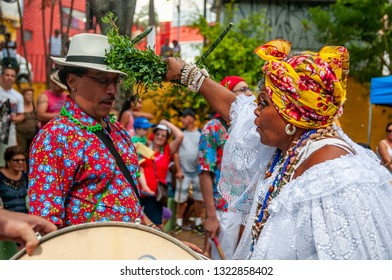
(218, 246)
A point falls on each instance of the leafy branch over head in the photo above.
(144, 68)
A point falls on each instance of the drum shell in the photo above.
(109, 241)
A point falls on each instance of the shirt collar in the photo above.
(84, 118)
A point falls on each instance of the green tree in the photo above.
(233, 56)
(364, 28)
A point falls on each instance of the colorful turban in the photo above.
(307, 89)
(231, 81)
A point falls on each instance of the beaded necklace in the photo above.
(283, 176)
(91, 128)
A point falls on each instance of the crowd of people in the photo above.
(273, 178)
(169, 50)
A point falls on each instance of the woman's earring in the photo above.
(74, 89)
(290, 129)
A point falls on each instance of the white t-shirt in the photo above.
(55, 47)
(17, 106)
(188, 151)
(9, 51)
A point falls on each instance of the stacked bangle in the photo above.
(193, 77)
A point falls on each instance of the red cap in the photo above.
(231, 81)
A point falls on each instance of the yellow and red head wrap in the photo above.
(307, 89)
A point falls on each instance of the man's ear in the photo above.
(72, 81)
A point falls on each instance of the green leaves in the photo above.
(364, 28)
(144, 68)
(234, 55)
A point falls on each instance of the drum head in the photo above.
(109, 241)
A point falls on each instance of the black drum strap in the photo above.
(109, 144)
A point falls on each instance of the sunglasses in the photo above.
(163, 135)
(105, 81)
(19, 160)
(389, 130)
(243, 89)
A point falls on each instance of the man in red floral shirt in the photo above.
(74, 178)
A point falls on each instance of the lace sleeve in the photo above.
(243, 156)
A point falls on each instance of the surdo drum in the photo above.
(109, 241)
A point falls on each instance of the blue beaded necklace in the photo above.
(276, 185)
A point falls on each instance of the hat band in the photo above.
(87, 59)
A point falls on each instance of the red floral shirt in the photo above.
(212, 140)
(70, 168)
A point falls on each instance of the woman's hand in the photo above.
(193, 247)
(174, 66)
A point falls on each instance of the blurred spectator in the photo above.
(13, 180)
(27, 129)
(13, 190)
(384, 148)
(132, 108)
(176, 51)
(8, 49)
(55, 43)
(220, 222)
(11, 110)
(187, 175)
(166, 51)
(52, 100)
(156, 169)
(142, 125)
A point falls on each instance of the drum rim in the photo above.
(115, 224)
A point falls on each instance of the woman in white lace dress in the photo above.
(316, 194)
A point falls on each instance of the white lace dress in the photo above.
(339, 209)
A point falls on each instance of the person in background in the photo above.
(156, 169)
(237, 84)
(51, 101)
(8, 49)
(22, 228)
(140, 141)
(384, 148)
(13, 180)
(11, 110)
(187, 176)
(220, 223)
(141, 125)
(28, 128)
(13, 190)
(320, 195)
(131, 109)
(166, 51)
(55, 44)
(176, 51)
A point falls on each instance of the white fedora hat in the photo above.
(87, 50)
(54, 77)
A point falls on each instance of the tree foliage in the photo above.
(364, 28)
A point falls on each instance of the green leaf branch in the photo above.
(144, 68)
